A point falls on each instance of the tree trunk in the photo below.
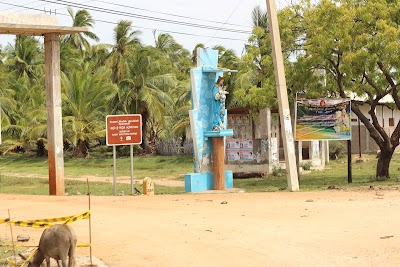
(41, 150)
(382, 168)
(82, 150)
(183, 139)
(145, 143)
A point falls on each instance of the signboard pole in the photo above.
(115, 170)
(349, 170)
(123, 130)
(131, 169)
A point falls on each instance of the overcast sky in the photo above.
(211, 22)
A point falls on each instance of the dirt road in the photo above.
(332, 228)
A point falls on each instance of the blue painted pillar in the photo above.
(207, 120)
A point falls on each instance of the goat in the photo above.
(58, 242)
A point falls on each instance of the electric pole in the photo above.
(284, 111)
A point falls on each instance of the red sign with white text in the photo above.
(124, 129)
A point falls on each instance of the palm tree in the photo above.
(125, 39)
(25, 113)
(194, 53)
(97, 55)
(86, 95)
(25, 58)
(82, 18)
(179, 117)
(7, 101)
(259, 18)
(178, 56)
(27, 121)
(146, 91)
(70, 57)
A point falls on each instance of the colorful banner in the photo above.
(323, 119)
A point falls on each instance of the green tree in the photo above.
(97, 55)
(255, 83)
(26, 125)
(145, 91)
(86, 96)
(125, 39)
(81, 18)
(179, 123)
(358, 50)
(25, 58)
(178, 56)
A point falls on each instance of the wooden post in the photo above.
(219, 163)
(54, 114)
(284, 112)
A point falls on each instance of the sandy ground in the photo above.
(332, 228)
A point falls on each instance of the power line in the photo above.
(115, 23)
(169, 14)
(24, 4)
(42, 4)
(225, 21)
(116, 12)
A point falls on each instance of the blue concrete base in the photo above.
(197, 182)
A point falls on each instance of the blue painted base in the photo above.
(197, 182)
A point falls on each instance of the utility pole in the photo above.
(284, 111)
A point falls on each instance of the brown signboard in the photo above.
(124, 129)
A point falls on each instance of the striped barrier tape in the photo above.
(4, 220)
(26, 262)
(44, 223)
(81, 245)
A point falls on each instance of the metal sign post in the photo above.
(132, 169)
(123, 130)
(114, 170)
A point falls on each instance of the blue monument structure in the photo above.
(208, 125)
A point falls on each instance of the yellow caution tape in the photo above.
(4, 220)
(82, 245)
(12, 263)
(44, 223)
(26, 262)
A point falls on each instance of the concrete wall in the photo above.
(256, 146)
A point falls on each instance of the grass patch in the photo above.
(39, 186)
(19, 174)
(335, 173)
(6, 250)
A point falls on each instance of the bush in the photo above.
(277, 170)
(306, 165)
(337, 149)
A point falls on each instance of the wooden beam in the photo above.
(38, 30)
(54, 114)
(219, 163)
